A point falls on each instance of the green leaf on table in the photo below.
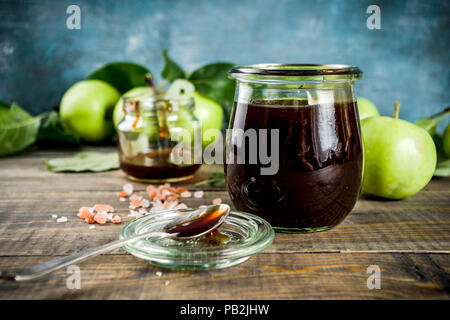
(442, 169)
(52, 130)
(18, 130)
(172, 70)
(212, 81)
(215, 179)
(124, 76)
(85, 161)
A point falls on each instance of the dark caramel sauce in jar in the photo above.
(320, 164)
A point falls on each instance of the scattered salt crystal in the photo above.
(217, 201)
(109, 216)
(101, 218)
(165, 193)
(103, 208)
(166, 283)
(128, 188)
(158, 273)
(198, 194)
(122, 199)
(135, 197)
(186, 194)
(62, 219)
(54, 216)
(145, 203)
(116, 219)
(91, 227)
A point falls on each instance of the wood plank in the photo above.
(264, 276)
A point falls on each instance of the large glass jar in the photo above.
(306, 118)
(157, 139)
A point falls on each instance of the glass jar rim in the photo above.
(276, 72)
(154, 103)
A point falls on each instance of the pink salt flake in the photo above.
(116, 219)
(84, 213)
(152, 194)
(180, 190)
(217, 201)
(135, 203)
(101, 218)
(135, 197)
(103, 208)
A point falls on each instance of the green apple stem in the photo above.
(151, 84)
(396, 109)
(149, 81)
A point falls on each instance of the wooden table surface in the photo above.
(408, 240)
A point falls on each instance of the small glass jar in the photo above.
(310, 114)
(157, 139)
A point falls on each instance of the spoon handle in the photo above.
(42, 269)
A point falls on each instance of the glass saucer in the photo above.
(247, 234)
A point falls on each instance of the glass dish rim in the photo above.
(258, 244)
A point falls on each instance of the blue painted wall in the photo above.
(407, 60)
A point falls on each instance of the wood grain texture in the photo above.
(264, 276)
(408, 239)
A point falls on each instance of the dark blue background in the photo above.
(407, 60)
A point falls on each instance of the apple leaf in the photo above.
(4, 105)
(442, 169)
(212, 81)
(85, 161)
(122, 75)
(4, 108)
(172, 70)
(18, 130)
(53, 131)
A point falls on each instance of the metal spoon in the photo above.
(196, 223)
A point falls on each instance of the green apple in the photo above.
(209, 112)
(400, 157)
(137, 92)
(86, 109)
(366, 108)
(446, 141)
